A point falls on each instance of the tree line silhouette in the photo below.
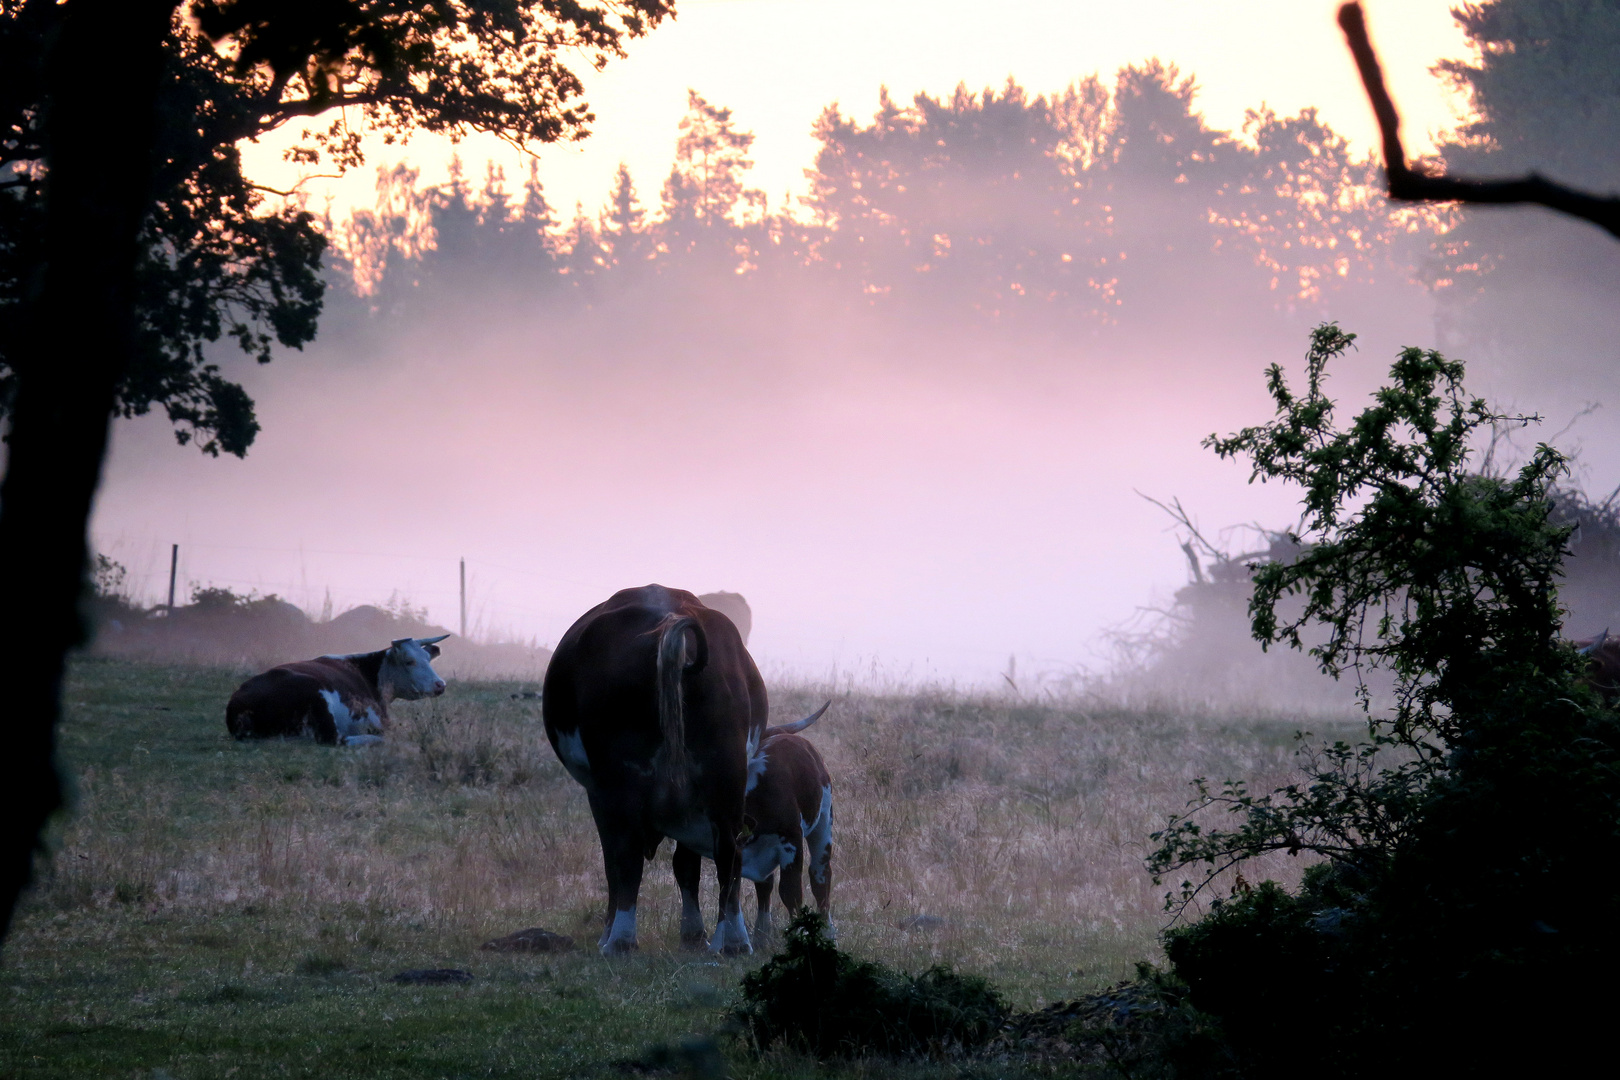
(1069, 214)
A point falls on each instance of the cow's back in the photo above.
(602, 680)
(793, 785)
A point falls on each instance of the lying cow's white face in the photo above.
(407, 669)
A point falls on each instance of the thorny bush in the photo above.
(1458, 841)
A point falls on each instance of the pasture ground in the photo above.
(213, 909)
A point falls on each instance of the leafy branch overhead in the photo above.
(216, 260)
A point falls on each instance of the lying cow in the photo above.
(788, 815)
(340, 700)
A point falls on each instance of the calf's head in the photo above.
(407, 668)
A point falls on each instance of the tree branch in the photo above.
(1410, 185)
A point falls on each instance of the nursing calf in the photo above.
(788, 815)
(339, 700)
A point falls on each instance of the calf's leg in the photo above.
(762, 921)
(818, 854)
(792, 886)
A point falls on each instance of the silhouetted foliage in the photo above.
(815, 997)
(977, 211)
(1546, 97)
(1457, 840)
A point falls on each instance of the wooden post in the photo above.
(174, 564)
(463, 597)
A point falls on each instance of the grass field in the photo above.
(215, 909)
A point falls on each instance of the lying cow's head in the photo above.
(407, 668)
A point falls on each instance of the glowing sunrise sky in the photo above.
(778, 63)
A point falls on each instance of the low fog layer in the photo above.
(910, 432)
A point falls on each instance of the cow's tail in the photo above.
(675, 659)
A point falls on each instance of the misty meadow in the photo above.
(1203, 537)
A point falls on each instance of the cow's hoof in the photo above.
(737, 950)
(695, 942)
(619, 948)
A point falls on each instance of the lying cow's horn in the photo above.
(431, 640)
(1597, 643)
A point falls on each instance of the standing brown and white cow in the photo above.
(341, 700)
(654, 706)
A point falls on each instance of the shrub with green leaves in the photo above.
(1460, 842)
(814, 997)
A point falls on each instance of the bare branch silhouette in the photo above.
(1414, 186)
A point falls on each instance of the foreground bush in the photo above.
(1462, 846)
(814, 997)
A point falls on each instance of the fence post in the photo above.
(174, 564)
(463, 597)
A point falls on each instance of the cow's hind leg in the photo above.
(622, 858)
(730, 932)
(688, 876)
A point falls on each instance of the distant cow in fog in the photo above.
(788, 817)
(339, 700)
(733, 607)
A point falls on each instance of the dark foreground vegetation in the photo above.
(1457, 847)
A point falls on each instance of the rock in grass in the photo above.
(535, 940)
(432, 977)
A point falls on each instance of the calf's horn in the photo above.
(431, 640)
(797, 725)
(1597, 643)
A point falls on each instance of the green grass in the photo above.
(216, 909)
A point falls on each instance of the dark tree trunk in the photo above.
(102, 79)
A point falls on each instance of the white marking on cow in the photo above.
(757, 762)
(763, 854)
(622, 934)
(342, 720)
(818, 837)
(731, 935)
(352, 730)
(571, 748)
